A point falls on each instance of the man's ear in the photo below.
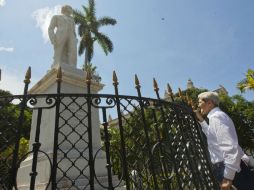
(211, 104)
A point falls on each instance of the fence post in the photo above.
(36, 147)
(146, 132)
(107, 148)
(18, 136)
(58, 100)
(164, 168)
(120, 123)
(90, 139)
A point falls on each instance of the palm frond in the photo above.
(242, 85)
(82, 45)
(91, 8)
(248, 82)
(104, 42)
(90, 67)
(78, 17)
(106, 21)
(88, 30)
(86, 10)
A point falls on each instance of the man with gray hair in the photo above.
(225, 152)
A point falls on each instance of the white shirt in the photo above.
(222, 141)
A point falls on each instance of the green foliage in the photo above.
(5, 93)
(115, 150)
(9, 129)
(137, 148)
(134, 138)
(9, 119)
(6, 158)
(248, 82)
(89, 67)
(23, 149)
(242, 113)
(88, 30)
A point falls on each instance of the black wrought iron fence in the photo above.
(153, 144)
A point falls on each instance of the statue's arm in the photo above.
(51, 28)
(73, 27)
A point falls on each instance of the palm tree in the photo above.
(248, 82)
(92, 70)
(88, 30)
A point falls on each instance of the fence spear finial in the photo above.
(169, 90)
(137, 82)
(155, 85)
(59, 74)
(28, 75)
(180, 93)
(115, 80)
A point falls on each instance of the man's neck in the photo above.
(212, 110)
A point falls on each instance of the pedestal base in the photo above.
(72, 180)
(73, 168)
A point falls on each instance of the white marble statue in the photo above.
(62, 35)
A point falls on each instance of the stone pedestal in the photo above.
(73, 81)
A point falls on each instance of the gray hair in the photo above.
(212, 96)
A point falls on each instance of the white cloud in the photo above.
(6, 49)
(43, 17)
(2, 3)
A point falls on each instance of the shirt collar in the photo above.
(212, 112)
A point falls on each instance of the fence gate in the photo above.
(151, 143)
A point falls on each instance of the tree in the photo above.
(92, 69)
(248, 82)
(9, 128)
(242, 113)
(9, 120)
(88, 30)
(136, 147)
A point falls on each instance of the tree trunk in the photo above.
(86, 58)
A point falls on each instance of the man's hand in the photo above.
(226, 184)
(199, 116)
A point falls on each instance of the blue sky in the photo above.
(209, 41)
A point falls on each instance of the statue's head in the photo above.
(67, 10)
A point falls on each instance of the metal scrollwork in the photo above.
(36, 102)
(110, 102)
(32, 101)
(51, 101)
(146, 103)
